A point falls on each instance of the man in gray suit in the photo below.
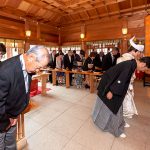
(15, 79)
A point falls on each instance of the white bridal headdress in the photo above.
(136, 46)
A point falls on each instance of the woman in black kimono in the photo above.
(108, 110)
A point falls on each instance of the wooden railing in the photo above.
(20, 127)
(21, 140)
(90, 74)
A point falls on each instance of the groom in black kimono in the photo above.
(108, 113)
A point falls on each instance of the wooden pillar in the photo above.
(54, 77)
(147, 35)
(9, 52)
(83, 43)
(26, 46)
(124, 45)
(125, 37)
(26, 26)
(84, 47)
(67, 79)
(44, 78)
(59, 37)
(38, 31)
(21, 140)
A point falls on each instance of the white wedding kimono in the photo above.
(129, 108)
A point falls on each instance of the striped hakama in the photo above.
(104, 118)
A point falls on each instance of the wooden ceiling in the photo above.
(64, 12)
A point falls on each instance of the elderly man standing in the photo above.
(15, 79)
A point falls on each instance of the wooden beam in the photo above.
(131, 4)
(146, 6)
(87, 14)
(97, 13)
(97, 6)
(77, 2)
(52, 10)
(11, 16)
(71, 18)
(5, 3)
(106, 8)
(80, 16)
(118, 8)
(60, 2)
(124, 13)
(129, 10)
(96, 10)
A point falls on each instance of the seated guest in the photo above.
(110, 59)
(108, 109)
(68, 63)
(68, 60)
(98, 61)
(52, 63)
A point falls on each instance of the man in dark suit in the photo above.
(52, 63)
(68, 63)
(15, 79)
(76, 58)
(98, 61)
(110, 59)
(52, 59)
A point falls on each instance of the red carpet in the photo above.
(35, 89)
(37, 92)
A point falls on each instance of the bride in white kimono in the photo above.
(129, 108)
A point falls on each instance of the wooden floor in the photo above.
(62, 121)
